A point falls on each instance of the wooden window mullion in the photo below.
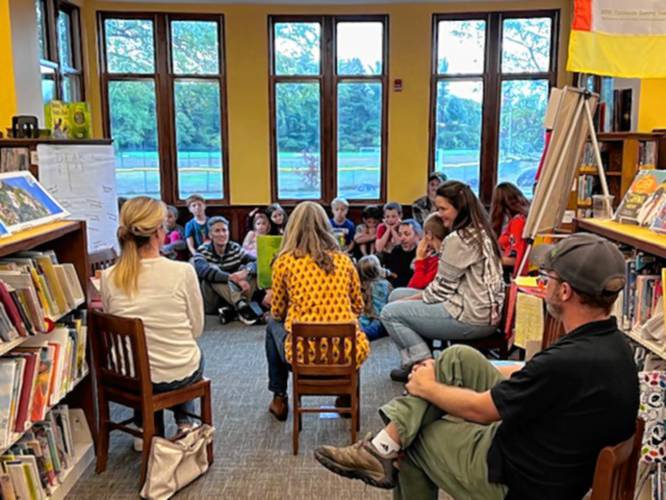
(165, 117)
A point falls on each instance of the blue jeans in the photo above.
(278, 368)
(180, 411)
(408, 322)
(374, 330)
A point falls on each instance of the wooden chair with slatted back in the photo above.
(122, 371)
(615, 473)
(101, 260)
(324, 375)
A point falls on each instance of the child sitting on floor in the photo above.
(340, 223)
(376, 290)
(174, 247)
(366, 233)
(196, 229)
(260, 226)
(427, 252)
(278, 219)
(387, 231)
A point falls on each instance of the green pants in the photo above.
(442, 451)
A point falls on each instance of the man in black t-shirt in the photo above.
(400, 259)
(517, 432)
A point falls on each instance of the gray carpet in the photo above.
(253, 457)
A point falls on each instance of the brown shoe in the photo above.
(279, 407)
(360, 461)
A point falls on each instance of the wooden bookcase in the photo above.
(622, 158)
(68, 240)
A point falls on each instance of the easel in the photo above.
(582, 112)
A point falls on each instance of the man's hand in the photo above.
(244, 286)
(239, 276)
(422, 379)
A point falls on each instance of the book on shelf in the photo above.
(643, 294)
(647, 154)
(38, 374)
(34, 287)
(643, 198)
(37, 463)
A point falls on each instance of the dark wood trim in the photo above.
(164, 80)
(18, 143)
(653, 243)
(492, 78)
(328, 80)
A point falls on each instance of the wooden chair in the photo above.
(615, 473)
(101, 260)
(122, 372)
(325, 376)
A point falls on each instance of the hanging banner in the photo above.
(620, 38)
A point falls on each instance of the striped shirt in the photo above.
(216, 268)
(469, 282)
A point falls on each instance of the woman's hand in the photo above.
(421, 379)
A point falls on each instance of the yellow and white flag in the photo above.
(621, 38)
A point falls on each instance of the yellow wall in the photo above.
(7, 93)
(652, 105)
(247, 79)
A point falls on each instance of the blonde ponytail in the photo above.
(140, 218)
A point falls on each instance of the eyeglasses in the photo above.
(543, 277)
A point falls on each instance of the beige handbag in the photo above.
(172, 465)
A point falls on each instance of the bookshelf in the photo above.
(69, 242)
(623, 154)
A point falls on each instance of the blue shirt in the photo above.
(347, 228)
(198, 231)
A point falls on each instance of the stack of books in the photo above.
(642, 297)
(35, 290)
(38, 374)
(36, 464)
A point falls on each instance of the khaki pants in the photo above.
(445, 452)
(229, 292)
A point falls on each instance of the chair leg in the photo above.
(296, 416)
(207, 418)
(354, 418)
(358, 403)
(103, 438)
(148, 433)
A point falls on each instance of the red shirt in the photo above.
(381, 229)
(424, 272)
(511, 240)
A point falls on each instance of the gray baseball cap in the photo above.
(589, 263)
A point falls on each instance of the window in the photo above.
(163, 89)
(328, 85)
(59, 37)
(491, 77)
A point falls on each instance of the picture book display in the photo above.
(267, 248)
(643, 198)
(25, 203)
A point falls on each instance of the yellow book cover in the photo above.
(66, 287)
(47, 305)
(53, 282)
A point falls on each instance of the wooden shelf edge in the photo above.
(84, 458)
(650, 345)
(6, 347)
(36, 236)
(18, 435)
(651, 242)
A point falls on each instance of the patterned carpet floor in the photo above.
(253, 458)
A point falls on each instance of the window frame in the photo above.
(164, 79)
(50, 12)
(328, 79)
(492, 78)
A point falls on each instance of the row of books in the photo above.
(642, 297)
(35, 465)
(644, 203)
(586, 188)
(37, 375)
(35, 288)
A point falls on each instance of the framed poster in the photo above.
(25, 203)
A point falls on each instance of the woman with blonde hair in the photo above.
(313, 281)
(171, 311)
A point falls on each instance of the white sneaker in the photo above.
(138, 444)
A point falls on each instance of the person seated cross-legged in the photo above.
(227, 272)
(531, 432)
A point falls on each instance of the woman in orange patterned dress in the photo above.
(313, 281)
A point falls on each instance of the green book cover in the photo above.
(267, 247)
(79, 120)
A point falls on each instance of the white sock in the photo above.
(384, 444)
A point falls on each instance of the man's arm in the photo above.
(209, 272)
(470, 405)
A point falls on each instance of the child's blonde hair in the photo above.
(140, 218)
(339, 201)
(434, 225)
(369, 271)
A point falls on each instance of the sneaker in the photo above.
(279, 407)
(400, 375)
(360, 461)
(226, 314)
(245, 313)
(137, 442)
